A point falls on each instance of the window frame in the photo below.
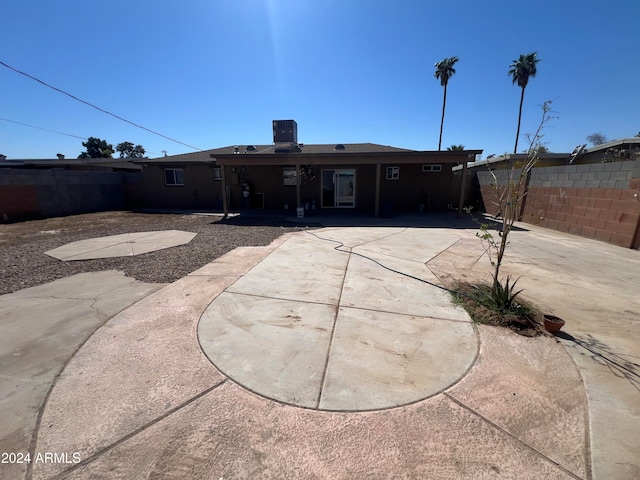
(176, 180)
(432, 167)
(393, 173)
(217, 174)
(289, 175)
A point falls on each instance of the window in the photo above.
(431, 168)
(174, 177)
(289, 176)
(217, 173)
(393, 173)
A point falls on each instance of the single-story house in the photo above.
(366, 177)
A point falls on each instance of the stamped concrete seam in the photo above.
(443, 251)
(510, 435)
(413, 315)
(332, 336)
(139, 430)
(34, 436)
(342, 244)
(313, 302)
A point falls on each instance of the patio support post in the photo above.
(298, 202)
(225, 206)
(377, 207)
(463, 184)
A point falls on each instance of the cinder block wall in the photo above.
(595, 201)
(27, 193)
(600, 200)
(488, 190)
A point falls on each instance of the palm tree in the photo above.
(444, 71)
(520, 71)
(455, 148)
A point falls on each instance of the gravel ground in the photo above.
(22, 245)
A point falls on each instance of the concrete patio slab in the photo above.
(309, 351)
(230, 433)
(371, 287)
(317, 269)
(277, 348)
(124, 245)
(382, 360)
(546, 408)
(143, 364)
(141, 399)
(42, 327)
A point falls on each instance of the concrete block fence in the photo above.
(29, 193)
(600, 201)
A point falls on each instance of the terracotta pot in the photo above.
(553, 324)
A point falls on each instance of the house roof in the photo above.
(633, 141)
(79, 163)
(206, 156)
(514, 157)
(287, 153)
(323, 148)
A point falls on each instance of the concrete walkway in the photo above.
(42, 327)
(300, 361)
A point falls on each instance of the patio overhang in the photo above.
(352, 159)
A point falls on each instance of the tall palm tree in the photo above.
(444, 71)
(520, 71)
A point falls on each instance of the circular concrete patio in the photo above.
(306, 327)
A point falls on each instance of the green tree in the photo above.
(97, 148)
(444, 71)
(597, 138)
(543, 149)
(520, 71)
(455, 148)
(128, 150)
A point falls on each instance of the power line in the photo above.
(97, 108)
(60, 133)
(45, 129)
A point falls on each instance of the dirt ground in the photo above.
(23, 245)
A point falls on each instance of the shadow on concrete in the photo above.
(602, 354)
(346, 218)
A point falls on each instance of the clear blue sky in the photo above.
(215, 73)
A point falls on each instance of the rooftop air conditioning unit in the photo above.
(285, 131)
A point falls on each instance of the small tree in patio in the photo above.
(509, 192)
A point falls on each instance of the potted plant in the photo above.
(553, 324)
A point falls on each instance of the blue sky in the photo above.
(211, 73)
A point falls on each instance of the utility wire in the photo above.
(60, 133)
(97, 108)
(45, 129)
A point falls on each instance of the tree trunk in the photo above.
(515, 149)
(444, 103)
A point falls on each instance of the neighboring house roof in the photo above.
(76, 164)
(514, 157)
(632, 142)
(195, 157)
